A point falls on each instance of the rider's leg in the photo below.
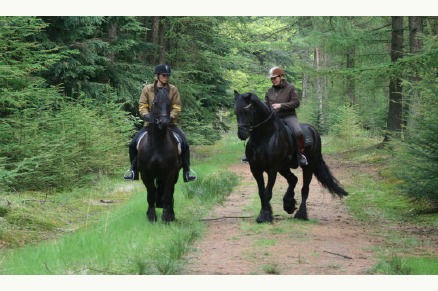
(185, 155)
(132, 173)
(293, 121)
(301, 157)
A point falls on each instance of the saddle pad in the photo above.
(308, 138)
(140, 138)
(178, 139)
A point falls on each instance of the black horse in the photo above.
(159, 162)
(270, 149)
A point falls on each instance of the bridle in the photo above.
(248, 126)
(157, 117)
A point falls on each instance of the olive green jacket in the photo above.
(147, 97)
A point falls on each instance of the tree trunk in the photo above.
(305, 77)
(304, 92)
(162, 45)
(112, 36)
(394, 119)
(319, 89)
(155, 36)
(325, 94)
(415, 45)
(351, 86)
(432, 23)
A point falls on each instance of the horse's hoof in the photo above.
(262, 219)
(301, 216)
(167, 220)
(152, 218)
(167, 216)
(289, 209)
(151, 215)
(289, 203)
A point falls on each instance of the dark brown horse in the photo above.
(270, 150)
(159, 162)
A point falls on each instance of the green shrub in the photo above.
(347, 131)
(416, 158)
(63, 148)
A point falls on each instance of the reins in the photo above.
(252, 127)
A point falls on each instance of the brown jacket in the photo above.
(287, 95)
(147, 97)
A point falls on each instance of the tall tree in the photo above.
(155, 39)
(319, 88)
(415, 46)
(395, 109)
(351, 86)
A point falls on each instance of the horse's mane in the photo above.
(259, 102)
(253, 98)
(161, 93)
(263, 106)
(161, 96)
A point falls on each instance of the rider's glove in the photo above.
(147, 117)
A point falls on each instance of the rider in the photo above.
(162, 75)
(284, 99)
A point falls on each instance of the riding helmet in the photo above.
(163, 69)
(275, 72)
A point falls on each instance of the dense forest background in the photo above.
(69, 86)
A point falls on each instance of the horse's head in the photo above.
(251, 113)
(244, 114)
(160, 111)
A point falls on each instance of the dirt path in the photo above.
(332, 242)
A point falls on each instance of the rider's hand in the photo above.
(147, 117)
(276, 106)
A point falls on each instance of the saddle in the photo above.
(308, 141)
(175, 135)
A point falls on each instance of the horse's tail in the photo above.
(327, 180)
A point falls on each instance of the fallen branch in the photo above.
(225, 217)
(347, 257)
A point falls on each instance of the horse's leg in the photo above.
(151, 194)
(265, 197)
(168, 190)
(307, 178)
(258, 176)
(289, 201)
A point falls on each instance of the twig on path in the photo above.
(224, 217)
(347, 257)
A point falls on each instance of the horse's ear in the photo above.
(236, 93)
(247, 96)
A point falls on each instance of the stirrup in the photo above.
(130, 176)
(303, 160)
(187, 177)
(244, 159)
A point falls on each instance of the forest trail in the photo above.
(331, 243)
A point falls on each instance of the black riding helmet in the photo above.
(162, 69)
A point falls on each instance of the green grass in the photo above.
(117, 239)
(271, 269)
(407, 266)
(375, 200)
(76, 233)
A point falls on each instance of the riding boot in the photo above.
(185, 159)
(300, 145)
(132, 174)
